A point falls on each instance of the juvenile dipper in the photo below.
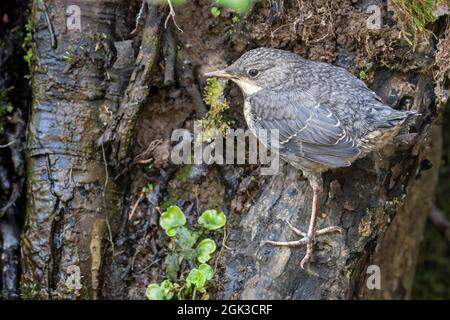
(325, 116)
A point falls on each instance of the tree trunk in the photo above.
(95, 106)
(74, 201)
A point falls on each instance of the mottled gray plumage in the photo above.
(326, 117)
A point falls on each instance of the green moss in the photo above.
(214, 123)
(27, 45)
(215, 12)
(182, 175)
(367, 72)
(177, 189)
(414, 16)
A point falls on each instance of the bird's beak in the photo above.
(220, 74)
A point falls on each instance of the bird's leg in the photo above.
(309, 237)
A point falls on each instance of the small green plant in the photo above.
(238, 6)
(190, 245)
(149, 187)
(28, 57)
(163, 291)
(27, 46)
(215, 12)
(68, 55)
(213, 122)
(212, 220)
(364, 74)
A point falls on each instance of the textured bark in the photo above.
(74, 201)
(398, 259)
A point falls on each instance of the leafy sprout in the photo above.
(27, 46)
(362, 75)
(204, 249)
(198, 277)
(149, 187)
(212, 220)
(171, 219)
(187, 244)
(164, 291)
(215, 12)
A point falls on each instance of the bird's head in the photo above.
(261, 68)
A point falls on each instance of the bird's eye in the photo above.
(253, 72)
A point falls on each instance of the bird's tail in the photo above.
(397, 118)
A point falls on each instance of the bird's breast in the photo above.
(249, 116)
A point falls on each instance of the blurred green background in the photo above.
(432, 279)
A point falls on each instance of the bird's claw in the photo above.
(307, 238)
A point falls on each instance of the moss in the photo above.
(177, 188)
(414, 16)
(214, 123)
(367, 73)
(208, 194)
(182, 175)
(27, 45)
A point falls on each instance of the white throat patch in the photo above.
(247, 87)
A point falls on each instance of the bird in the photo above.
(325, 116)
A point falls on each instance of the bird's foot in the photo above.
(306, 238)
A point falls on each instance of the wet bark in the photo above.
(74, 201)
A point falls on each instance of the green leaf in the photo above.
(186, 238)
(215, 12)
(29, 56)
(154, 292)
(147, 188)
(171, 219)
(207, 270)
(188, 254)
(362, 75)
(204, 250)
(239, 6)
(197, 278)
(212, 220)
(167, 289)
(172, 265)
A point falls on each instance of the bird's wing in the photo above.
(307, 128)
